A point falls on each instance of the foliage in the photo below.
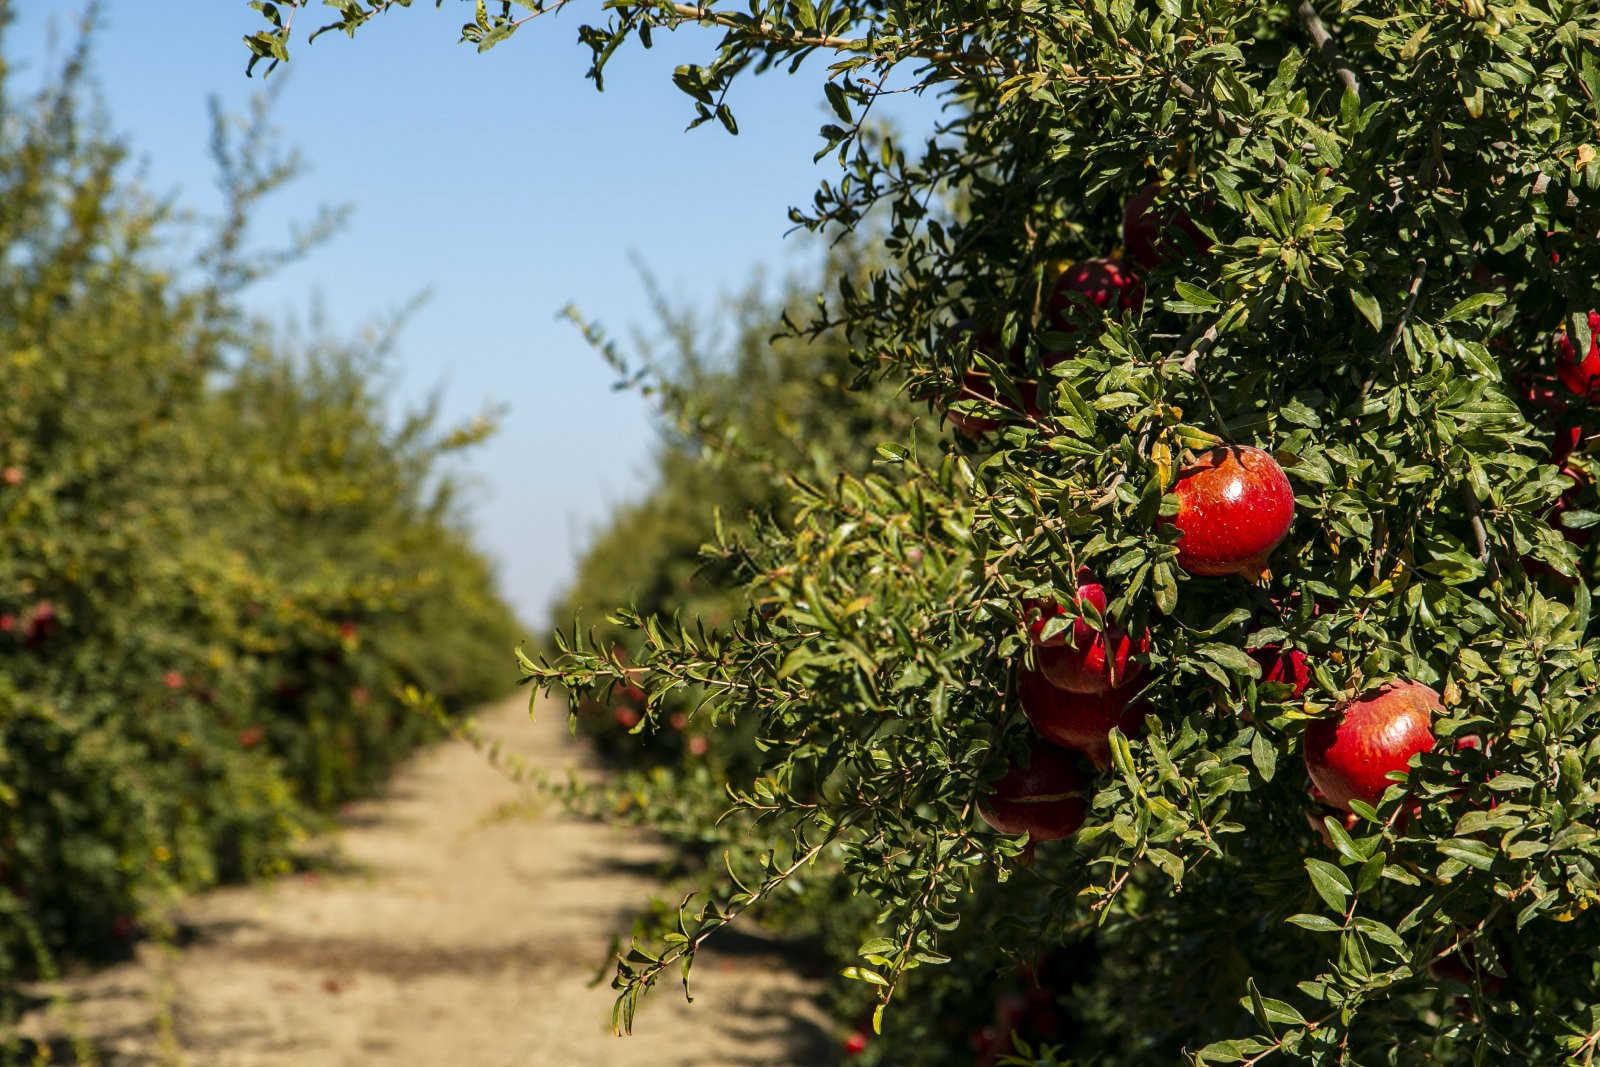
(220, 558)
(1403, 199)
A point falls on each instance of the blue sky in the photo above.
(505, 185)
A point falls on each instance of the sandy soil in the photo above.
(462, 937)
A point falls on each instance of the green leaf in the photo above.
(1330, 883)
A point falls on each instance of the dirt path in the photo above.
(465, 939)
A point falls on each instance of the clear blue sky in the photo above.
(505, 184)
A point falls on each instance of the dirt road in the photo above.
(462, 937)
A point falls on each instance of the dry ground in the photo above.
(461, 938)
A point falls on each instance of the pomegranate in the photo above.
(1283, 668)
(1104, 284)
(1235, 505)
(1152, 236)
(1043, 799)
(1580, 376)
(1078, 720)
(1351, 754)
(1092, 661)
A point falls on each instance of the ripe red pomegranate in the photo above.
(1104, 284)
(1283, 668)
(626, 717)
(172, 680)
(1043, 799)
(1151, 236)
(1078, 721)
(1092, 661)
(11, 475)
(1235, 505)
(1351, 753)
(1581, 376)
(856, 1043)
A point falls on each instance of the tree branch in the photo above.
(1328, 48)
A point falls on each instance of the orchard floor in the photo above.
(465, 935)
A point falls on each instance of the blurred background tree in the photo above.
(222, 555)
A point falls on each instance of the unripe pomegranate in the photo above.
(1079, 721)
(1043, 799)
(1235, 505)
(1581, 376)
(1092, 661)
(1151, 237)
(1351, 753)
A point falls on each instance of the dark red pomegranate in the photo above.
(1152, 236)
(1078, 721)
(1283, 668)
(1091, 286)
(1043, 798)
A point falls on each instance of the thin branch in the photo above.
(1417, 276)
(1328, 48)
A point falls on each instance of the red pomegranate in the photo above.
(1235, 505)
(1351, 754)
(1092, 661)
(1283, 668)
(1153, 236)
(1078, 721)
(1103, 284)
(1043, 799)
(1581, 376)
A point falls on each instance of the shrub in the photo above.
(1396, 213)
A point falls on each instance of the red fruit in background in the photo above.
(1235, 506)
(1092, 661)
(40, 623)
(1152, 236)
(172, 680)
(698, 745)
(11, 475)
(1283, 668)
(969, 425)
(1078, 720)
(678, 720)
(855, 1044)
(251, 736)
(1043, 799)
(7, 623)
(626, 717)
(978, 383)
(347, 631)
(1104, 284)
(1581, 376)
(1351, 753)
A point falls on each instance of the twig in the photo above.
(1328, 48)
(1479, 533)
(1417, 275)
